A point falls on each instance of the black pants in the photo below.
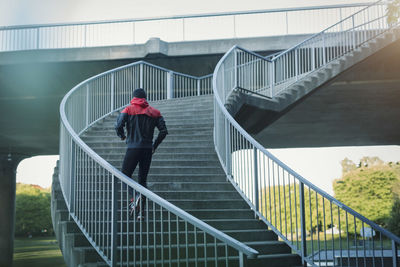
(134, 156)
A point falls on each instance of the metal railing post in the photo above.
(112, 92)
(141, 76)
(227, 147)
(72, 179)
(114, 225)
(354, 32)
(296, 64)
(198, 87)
(235, 65)
(394, 254)
(256, 195)
(313, 57)
(242, 259)
(87, 105)
(84, 36)
(303, 224)
(323, 49)
(170, 85)
(37, 38)
(272, 79)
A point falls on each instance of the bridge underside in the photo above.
(360, 107)
(33, 83)
(30, 96)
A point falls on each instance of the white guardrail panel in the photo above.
(284, 21)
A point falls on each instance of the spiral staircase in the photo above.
(215, 196)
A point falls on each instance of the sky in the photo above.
(319, 165)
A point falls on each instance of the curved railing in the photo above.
(298, 20)
(96, 192)
(315, 225)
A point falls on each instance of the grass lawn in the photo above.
(37, 251)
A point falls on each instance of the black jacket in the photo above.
(140, 119)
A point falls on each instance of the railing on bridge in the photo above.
(271, 76)
(96, 193)
(304, 20)
(315, 225)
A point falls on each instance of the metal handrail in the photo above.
(260, 177)
(73, 151)
(380, 2)
(286, 67)
(202, 15)
(262, 149)
(91, 34)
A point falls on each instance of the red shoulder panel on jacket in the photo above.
(138, 110)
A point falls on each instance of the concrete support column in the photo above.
(8, 166)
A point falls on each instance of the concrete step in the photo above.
(192, 129)
(172, 121)
(145, 237)
(188, 186)
(104, 151)
(186, 178)
(167, 156)
(170, 137)
(151, 225)
(173, 113)
(269, 247)
(174, 251)
(174, 163)
(77, 239)
(209, 194)
(276, 260)
(210, 213)
(172, 187)
(85, 256)
(117, 143)
(178, 178)
(232, 261)
(187, 108)
(205, 203)
(205, 170)
(202, 214)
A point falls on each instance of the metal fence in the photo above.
(270, 76)
(304, 20)
(96, 193)
(321, 229)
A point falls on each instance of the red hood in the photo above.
(139, 101)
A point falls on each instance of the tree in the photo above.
(347, 165)
(393, 12)
(32, 210)
(368, 190)
(370, 162)
(394, 220)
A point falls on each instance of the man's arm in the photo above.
(120, 124)
(162, 132)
